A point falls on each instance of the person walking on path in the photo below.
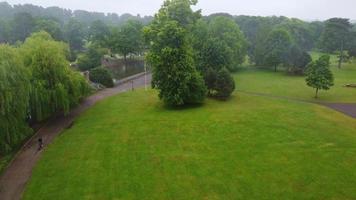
(40, 144)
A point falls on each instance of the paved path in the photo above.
(348, 109)
(15, 177)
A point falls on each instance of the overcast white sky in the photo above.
(304, 9)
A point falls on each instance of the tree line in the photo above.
(192, 56)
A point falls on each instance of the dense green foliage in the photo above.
(75, 35)
(218, 43)
(51, 26)
(225, 84)
(171, 54)
(99, 33)
(35, 83)
(14, 99)
(73, 27)
(297, 60)
(101, 75)
(127, 39)
(336, 37)
(63, 16)
(54, 86)
(132, 147)
(91, 58)
(319, 75)
(303, 34)
(220, 83)
(276, 48)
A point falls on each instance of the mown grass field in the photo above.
(132, 147)
(267, 81)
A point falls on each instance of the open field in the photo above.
(132, 147)
(268, 82)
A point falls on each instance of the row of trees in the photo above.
(123, 39)
(36, 82)
(290, 37)
(63, 16)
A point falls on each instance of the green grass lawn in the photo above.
(131, 147)
(280, 84)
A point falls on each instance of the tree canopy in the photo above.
(127, 39)
(335, 36)
(319, 75)
(219, 43)
(171, 54)
(54, 86)
(14, 99)
(276, 46)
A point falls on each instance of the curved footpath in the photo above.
(16, 175)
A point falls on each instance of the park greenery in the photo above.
(102, 76)
(131, 146)
(194, 147)
(36, 83)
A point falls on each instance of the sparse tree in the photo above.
(319, 75)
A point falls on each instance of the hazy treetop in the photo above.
(304, 9)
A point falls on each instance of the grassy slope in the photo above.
(280, 84)
(131, 147)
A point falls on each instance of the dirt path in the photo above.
(348, 109)
(16, 175)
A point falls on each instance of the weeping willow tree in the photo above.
(14, 99)
(54, 85)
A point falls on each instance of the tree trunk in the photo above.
(275, 68)
(341, 55)
(316, 93)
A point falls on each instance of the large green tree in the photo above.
(14, 99)
(171, 54)
(50, 26)
(336, 36)
(91, 58)
(4, 31)
(75, 34)
(218, 44)
(127, 39)
(276, 48)
(22, 26)
(319, 75)
(54, 85)
(99, 33)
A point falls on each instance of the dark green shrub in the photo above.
(210, 77)
(225, 84)
(220, 84)
(91, 58)
(101, 75)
